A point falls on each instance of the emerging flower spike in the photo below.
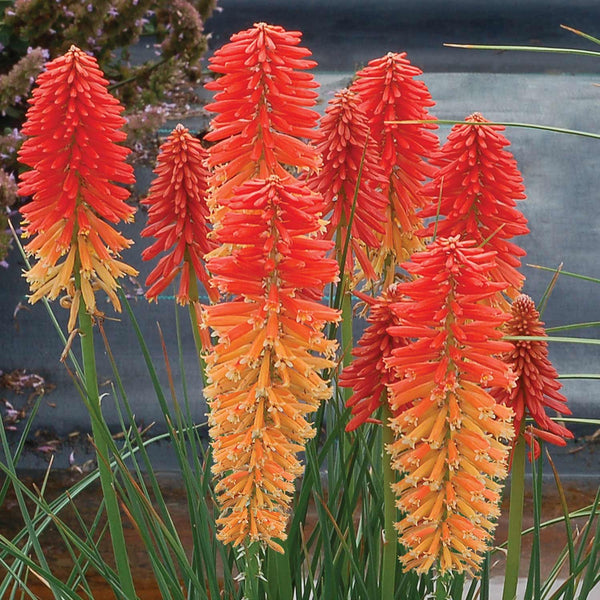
(344, 139)
(389, 92)
(263, 103)
(537, 381)
(264, 371)
(479, 185)
(451, 443)
(178, 217)
(368, 375)
(73, 125)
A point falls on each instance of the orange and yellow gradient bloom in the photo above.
(178, 218)
(73, 128)
(537, 387)
(264, 370)
(452, 442)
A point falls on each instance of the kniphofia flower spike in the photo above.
(479, 185)
(73, 126)
(537, 386)
(264, 371)
(369, 374)
(349, 151)
(263, 105)
(389, 92)
(178, 217)
(451, 441)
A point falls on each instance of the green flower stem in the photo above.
(346, 329)
(390, 546)
(252, 571)
(515, 517)
(100, 433)
(194, 298)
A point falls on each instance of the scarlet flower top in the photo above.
(178, 217)
(73, 128)
(537, 386)
(263, 105)
(390, 92)
(369, 374)
(479, 185)
(351, 167)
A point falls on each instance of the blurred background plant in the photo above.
(33, 31)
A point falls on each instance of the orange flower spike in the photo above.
(368, 374)
(344, 138)
(178, 216)
(449, 437)
(73, 128)
(479, 185)
(389, 92)
(537, 385)
(263, 371)
(263, 105)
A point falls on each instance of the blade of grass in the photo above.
(575, 51)
(581, 34)
(570, 591)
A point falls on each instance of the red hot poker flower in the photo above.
(450, 442)
(537, 381)
(479, 185)
(344, 138)
(264, 371)
(389, 92)
(73, 126)
(178, 216)
(368, 375)
(263, 105)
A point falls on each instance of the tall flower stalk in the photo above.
(474, 194)
(537, 389)
(351, 169)
(449, 442)
(73, 126)
(178, 219)
(264, 369)
(389, 92)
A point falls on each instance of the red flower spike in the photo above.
(389, 92)
(73, 126)
(368, 375)
(537, 381)
(263, 105)
(178, 216)
(264, 369)
(479, 185)
(344, 138)
(450, 440)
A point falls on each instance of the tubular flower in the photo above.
(73, 125)
(178, 217)
(537, 384)
(450, 443)
(368, 375)
(479, 184)
(263, 103)
(389, 92)
(263, 371)
(344, 139)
